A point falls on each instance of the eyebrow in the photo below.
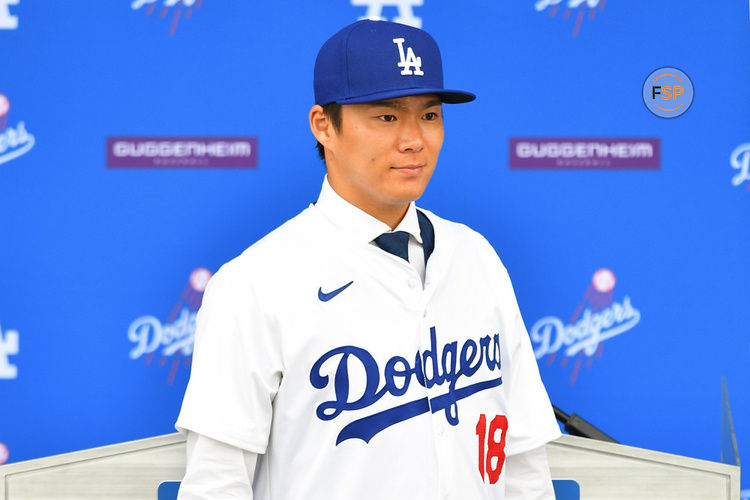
(396, 105)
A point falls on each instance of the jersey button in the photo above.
(412, 283)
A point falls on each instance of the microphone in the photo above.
(578, 426)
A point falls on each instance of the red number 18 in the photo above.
(495, 449)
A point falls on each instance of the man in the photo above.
(366, 349)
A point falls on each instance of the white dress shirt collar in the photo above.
(358, 222)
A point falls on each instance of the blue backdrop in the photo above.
(640, 274)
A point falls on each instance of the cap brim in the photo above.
(447, 96)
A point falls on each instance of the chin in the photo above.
(409, 194)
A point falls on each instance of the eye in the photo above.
(387, 118)
(430, 116)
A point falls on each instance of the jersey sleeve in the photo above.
(216, 470)
(531, 421)
(236, 368)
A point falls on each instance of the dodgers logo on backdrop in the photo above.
(596, 318)
(8, 347)
(405, 10)
(7, 21)
(14, 141)
(166, 6)
(436, 366)
(581, 8)
(740, 161)
(172, 340)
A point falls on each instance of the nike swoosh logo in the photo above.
(325, 297)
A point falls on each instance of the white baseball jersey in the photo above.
(325, 353)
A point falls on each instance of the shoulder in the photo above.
(464, 238)
(287, 239)
(272, 255)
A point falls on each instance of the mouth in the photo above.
(410, 170)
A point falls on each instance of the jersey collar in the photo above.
(359, 223)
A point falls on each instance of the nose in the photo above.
(411, 138)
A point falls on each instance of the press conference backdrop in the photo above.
(144, 143)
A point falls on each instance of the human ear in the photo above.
(320, 125)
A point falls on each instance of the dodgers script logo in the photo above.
(7, 22)
(173, 339)
(740, 161)
(581, 7)
(596, 319)
(8, 347)
(186, 5)
(14, 141)
(405, 12)
(433, 367)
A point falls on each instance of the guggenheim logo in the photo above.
(182, 152)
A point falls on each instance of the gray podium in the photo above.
(133, 470)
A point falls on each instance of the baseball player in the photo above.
(367, 348)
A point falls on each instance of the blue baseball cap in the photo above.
(374, 60)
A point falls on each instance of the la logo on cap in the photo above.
(409, 60)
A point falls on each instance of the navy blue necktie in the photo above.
(397, 243)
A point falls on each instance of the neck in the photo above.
(389, 213)
(392, 215)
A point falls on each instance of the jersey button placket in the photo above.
(439, 423)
